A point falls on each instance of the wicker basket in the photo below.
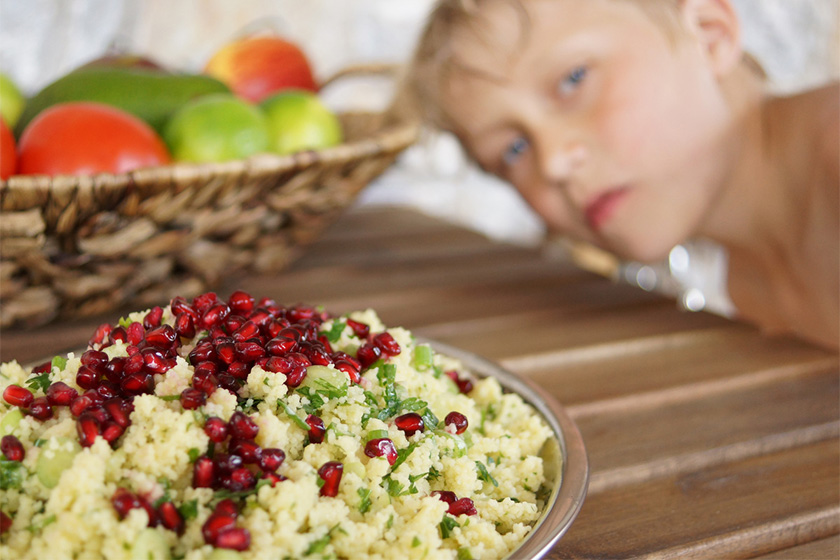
(77, 246)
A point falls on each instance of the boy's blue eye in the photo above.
(514, 150)
(572, 80)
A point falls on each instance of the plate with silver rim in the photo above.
(566, 463)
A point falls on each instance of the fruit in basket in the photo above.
(124, 60)
(216, 128)
(83, 138)
(258, 66)
(8, 154)
(150, 94)
(11, 101)
(298, 120)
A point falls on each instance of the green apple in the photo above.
(11, 101)
(298, 120)
(216, 127)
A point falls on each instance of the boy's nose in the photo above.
(559, 159)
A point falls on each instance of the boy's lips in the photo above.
(601, 208)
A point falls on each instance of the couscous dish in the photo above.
(242, 429)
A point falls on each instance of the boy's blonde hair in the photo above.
(435, 61)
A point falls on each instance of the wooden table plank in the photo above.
(823, 549)
(734, 510)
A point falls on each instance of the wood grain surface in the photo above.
(705, 438)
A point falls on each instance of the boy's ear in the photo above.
(715, 25)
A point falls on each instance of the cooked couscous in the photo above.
(227, 429)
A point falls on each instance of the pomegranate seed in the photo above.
(124, 501)
(410, 423)
(300, 313)
(228, 382)
(226, 507)
(133, 364)
(235, 539)
(247, 330)
(277, 364)
(82, 403)
(87, 378)
(12, 448)
(233, 322)
(462, 506)
(205, 301)
(162, 337)
(216, 334)
(350, 369)
(241, 426)
(111, 431)
(154, 361)
(61, 394)
(202, 352)
(184, 325)
(134, 333)
(226, 352)
(464, 384)
(119, 334)
(203, 475)
(88, 427)
(153, 317)
(280, 345)
(101, 334)
(137, 384)
(40, 408)
(361, 330)
(239, 370)
(99, 413)
(317, 430)
(118, 410)
(192, 398)
(249, 351)
(114, 369)
(180, 306)
(216, 429)
(458, 420)
(385, 342)
(215, 316)
(330, 472)
(207, 366)
(368, 354)
(271, 458)
(6, 522)
(296, 376)
(241, 302)
(290, 332)
(215, 525)
(445, 496)
(226, 463)
(240, 479)
(107, 390)
(206, 382)
(261, 317)
(382, 447)
(247, 449)
(95, 360)
(273, 477)
(316, 353)
(16, 395)
(170, 517)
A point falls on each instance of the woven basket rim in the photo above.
(394, 136)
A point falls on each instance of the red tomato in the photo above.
(83, 138)
(8, 156)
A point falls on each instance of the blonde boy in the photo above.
(638, 124)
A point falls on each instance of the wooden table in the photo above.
(705, 439)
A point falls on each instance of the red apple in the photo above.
(256, 67)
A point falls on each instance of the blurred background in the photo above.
(795, 40)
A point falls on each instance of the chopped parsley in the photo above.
(464, 554)
(335, 332)
(291, 414)
(194, 454)
(364, 503)
(38, 527)
(446, 525)
(39, 382)
(484, 474)
(189, 510)
(12, 474)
